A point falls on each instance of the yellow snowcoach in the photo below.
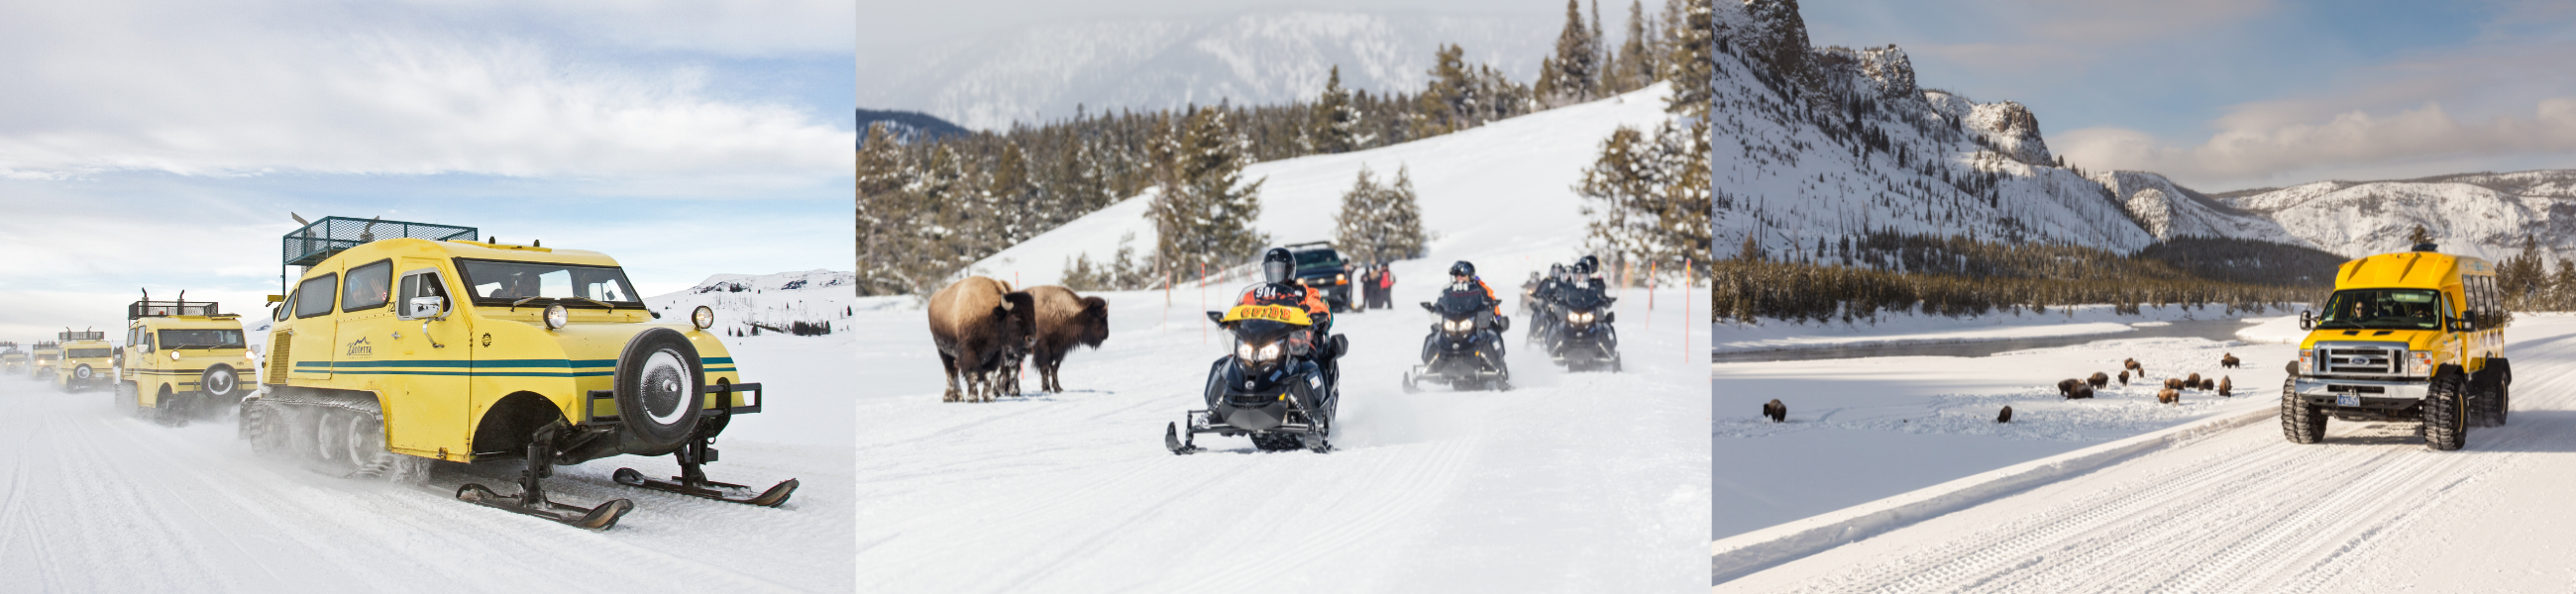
(12, 360)
(182, 359)
(88, 361)
(42, 358)
(2410, 336)
(407, 343)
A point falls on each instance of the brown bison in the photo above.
(2124, 378)
(2192, 382)
(2226, 386)
(2169, 396)
(2132, 365)
(1775, 410)
(2098, 380)
(2066, 388)
(2207, 384)
(1065, 320)
(980, 325)
(2173, 383)
(2006, 417)
(2228, 361)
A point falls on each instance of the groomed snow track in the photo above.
(2246, 511)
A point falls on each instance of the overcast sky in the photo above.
(888, 23)
(2229, 94)
(162, 144)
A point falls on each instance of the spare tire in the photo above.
(221, 382)
(661, 391)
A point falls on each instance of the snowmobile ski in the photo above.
(602, 517)
(1173, 441)
(773, 497)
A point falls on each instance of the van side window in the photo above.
(313, 297)
(416, 284)
(369, 287)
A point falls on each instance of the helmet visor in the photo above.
(1275, 271)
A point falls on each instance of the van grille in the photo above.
(2361, 360)
(277, 359)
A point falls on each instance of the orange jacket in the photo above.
(1286, 294)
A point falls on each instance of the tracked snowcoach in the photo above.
(409, 343)
(88, 361)
(2411, 336)
(12, 360)
(182, 360)
(42, 358)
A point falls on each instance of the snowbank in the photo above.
(1915, 328)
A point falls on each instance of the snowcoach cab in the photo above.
(42, 357)
(88, 361)
(12, 360)
(2409, 336)
(407, 343)
(182, 359)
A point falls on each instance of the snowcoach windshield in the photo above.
(2383, 309)
(506, 283)
(201, 338)
(86, 353)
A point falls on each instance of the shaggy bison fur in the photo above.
(2226, 386)
(1777, 411)
(2098, 380)
(2124, 378)
(980, 326)
(2192, 382)
(2228, 361)
(1065, 320)
(2169, 396)
(2006, 417)
(2132, 365)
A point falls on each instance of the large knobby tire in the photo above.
(2495, 403)
(2299, 421)
(2446, 422)
(221, 383)
(661, 389)
(264, 426)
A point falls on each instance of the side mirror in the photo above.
(2307, 320)
(1609, 317)
(1216, 316)
(1502, 323)
(1426, 306)
(1341, 346)
(425, 308)
(2464, 325)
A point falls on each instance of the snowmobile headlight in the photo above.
(1243, 350)
(556, 316)
(2419, 363)
(1268, 352)
(703, 317)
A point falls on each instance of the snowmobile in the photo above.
(1464, 349)
(1272, 388)
(1585, 340)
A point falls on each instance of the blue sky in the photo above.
(2230, 94)
(162, 144)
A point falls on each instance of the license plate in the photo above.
(2347, 400)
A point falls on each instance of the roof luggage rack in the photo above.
(147, 308)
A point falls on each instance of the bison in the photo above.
(980, 325)
(2192, 382)
(2006, 417)
(2226, 386)
(2098, 380)
(2124, 379)
(2083, 391)
(2173, 383)
(1065, 320)
(2228, 360)
(2066, 388)
(1777, 411)
(2132, 365)
(2207, 384)
(2169, 396)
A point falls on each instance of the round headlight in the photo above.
(1243, 350)
(174, 355)
(1269, 351)
(703, 317)
(557, 316)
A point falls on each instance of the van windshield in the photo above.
(2382, 309)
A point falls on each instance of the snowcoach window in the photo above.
(86, 353)
(368, 286)
(201, 338)
(313, 297)
(504, 283)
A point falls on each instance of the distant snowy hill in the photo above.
(985, 82)
(1502, 193)
(907, 126)
(2485, 214)
(816, 299)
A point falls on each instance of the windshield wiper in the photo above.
(602, 304)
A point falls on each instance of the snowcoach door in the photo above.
(428, 408)
(309, 350)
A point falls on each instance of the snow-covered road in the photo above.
(1572, 482)
(2244, 510)
(95, 500)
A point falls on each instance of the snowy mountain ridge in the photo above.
(2481, 214)
(986, 82)
(777, 302)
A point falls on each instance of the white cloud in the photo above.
(2268, 144)
(199, 89)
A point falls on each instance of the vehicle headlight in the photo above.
(1243, 350)
(2307, 360)
(174, 355)
(1341, 279)
(556, 317)
(703, 317)
(1268, 352)
(2419, 362)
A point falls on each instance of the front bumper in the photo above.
(2381, 395)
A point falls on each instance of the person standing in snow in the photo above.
(1385, 286)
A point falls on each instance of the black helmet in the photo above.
(1462, 268)
(1276, 264)
(1587, 265)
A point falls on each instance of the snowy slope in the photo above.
(1502, 193)
(2243, 510)
(2487, 215)
(2169, 211)
(770, 301)
(1026, 73)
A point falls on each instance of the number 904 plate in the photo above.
(2347, 400)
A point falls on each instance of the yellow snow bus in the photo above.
(2410, 336)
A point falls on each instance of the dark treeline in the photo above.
(1957, 277)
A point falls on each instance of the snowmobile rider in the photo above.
(1279, 287)
(1587, 273)
(1463, 274)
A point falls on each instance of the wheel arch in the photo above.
(507, 426)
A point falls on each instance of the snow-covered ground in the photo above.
(99, 501)
(2242, 509)
(1570, 482)
(1914, 328)
(1868, 428)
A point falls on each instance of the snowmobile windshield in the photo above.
(1584, 300)
(539, 283)
(2383, 309)
(1459, 306)
(201, 338)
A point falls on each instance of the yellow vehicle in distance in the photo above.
(12, 360)
(182, 360)
(2411, 336)
(427, 345)
(88, 361)
(42, 358)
